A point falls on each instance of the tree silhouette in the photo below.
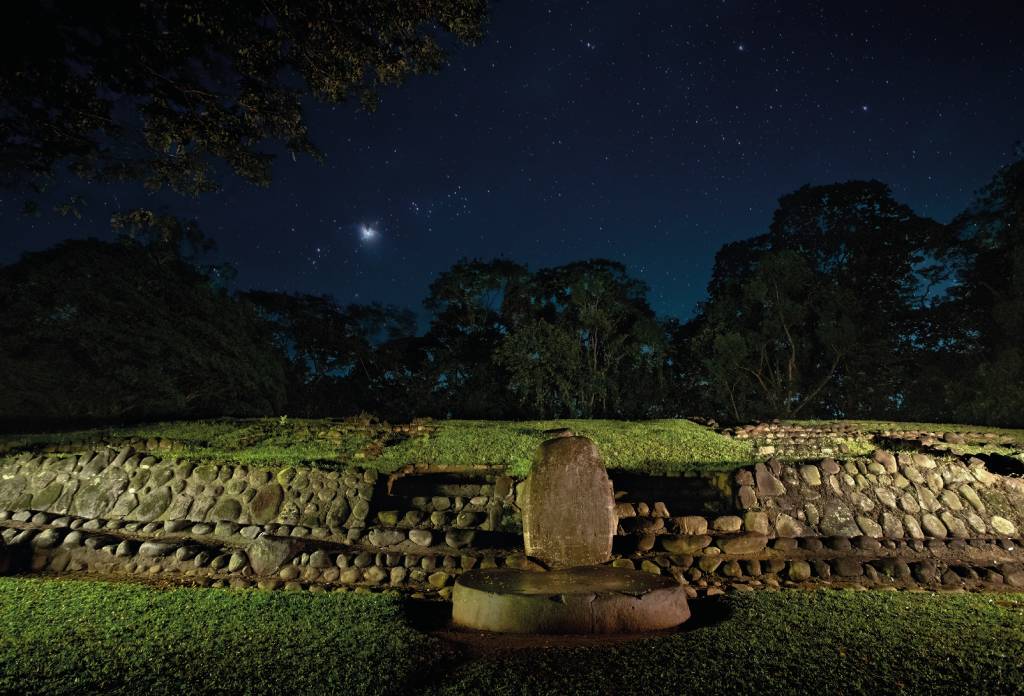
(585, 329)
(988, 315)
(172, 94)
(824, 306)
(473, 307)
(97, 331)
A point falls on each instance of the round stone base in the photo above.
(588, 599)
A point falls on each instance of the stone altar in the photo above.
(568, 524)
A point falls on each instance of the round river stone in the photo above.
(588, 599)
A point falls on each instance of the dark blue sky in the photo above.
(649, 133)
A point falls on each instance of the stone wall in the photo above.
(902, 519)
(837, 438)
(910, 519)
(778, 439)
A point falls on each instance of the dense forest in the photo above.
(849, 305)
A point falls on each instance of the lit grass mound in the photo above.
(659, 446)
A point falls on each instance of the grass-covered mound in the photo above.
(654, 446)
(659, 446)
(61, 637)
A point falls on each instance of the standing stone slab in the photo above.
(568, 505)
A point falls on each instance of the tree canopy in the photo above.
(576, 336)
(98, 331)
(175, 93)
(825, 305)
(848, 305)
(987, 314)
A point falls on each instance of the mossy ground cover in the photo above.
(84, 637)
(243, 441)
(656, 446)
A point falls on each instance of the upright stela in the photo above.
(568, 523)
(568, 505)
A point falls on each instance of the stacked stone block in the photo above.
(899, 520)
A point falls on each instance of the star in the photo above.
(367, 233)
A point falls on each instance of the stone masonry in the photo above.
(893, 519)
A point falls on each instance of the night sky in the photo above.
(650, 136)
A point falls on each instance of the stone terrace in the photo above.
(892, 519)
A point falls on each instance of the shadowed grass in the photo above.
(262, 441)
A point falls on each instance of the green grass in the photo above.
(59, 637)
(656, 446)
(75, 637)
(653, 446)
(788, 643)
(855, 447)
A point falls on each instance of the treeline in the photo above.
(849, 305)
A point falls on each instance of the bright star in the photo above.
(367, 233)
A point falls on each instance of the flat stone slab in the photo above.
(589, 599)
(568, 505)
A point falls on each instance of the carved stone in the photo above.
(568, 505)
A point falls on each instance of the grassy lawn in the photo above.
(80, 637)
(792, 642)
(659, 446)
